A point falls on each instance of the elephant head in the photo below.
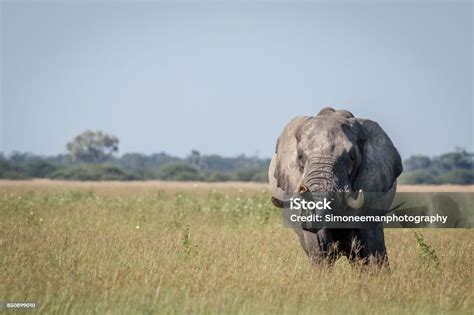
(334, 152)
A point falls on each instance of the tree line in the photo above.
(92, 156)
(449, 168)
(135, 166)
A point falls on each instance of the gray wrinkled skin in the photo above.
(336, 152)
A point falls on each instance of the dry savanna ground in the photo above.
(154, 247)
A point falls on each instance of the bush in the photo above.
(218, 177)
(93, 172)
(40, 169)
(258, 175)
(10, 171)
(418, 177)
(179, 172)
(261, 176)
(457, 176)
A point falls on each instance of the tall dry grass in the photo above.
(171, 248)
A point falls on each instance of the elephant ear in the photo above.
(381, 163)
(284, 173)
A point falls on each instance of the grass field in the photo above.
(153, 247)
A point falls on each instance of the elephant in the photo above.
(351, 159)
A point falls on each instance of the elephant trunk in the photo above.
(321, 176)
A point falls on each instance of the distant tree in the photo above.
(416, 162)
(92, 146)
(195, 159)
(18, 157)
(461, 159)
(60, 159)
(133, 161)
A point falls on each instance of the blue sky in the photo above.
(225, 77)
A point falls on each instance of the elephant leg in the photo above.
(369, 245)
(319, 246)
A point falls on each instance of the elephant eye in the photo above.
(301, 161)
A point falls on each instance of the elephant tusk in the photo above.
(357, 202)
